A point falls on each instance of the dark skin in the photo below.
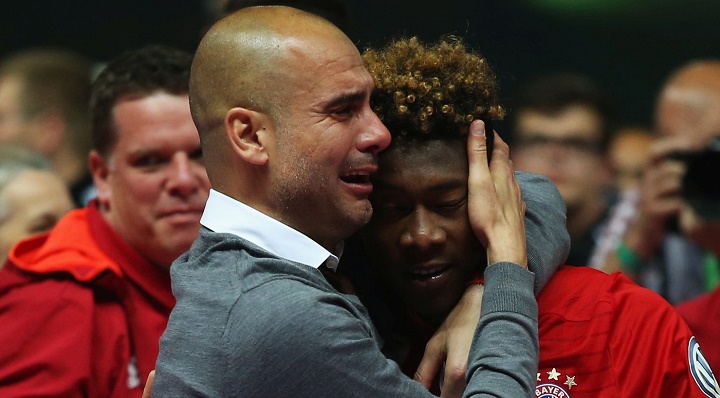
(419, 239)
(425, 205)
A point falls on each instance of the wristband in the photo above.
(478, 280)
(629, 260)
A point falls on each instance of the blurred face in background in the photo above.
(31, 203)
(566, 147)
(629, 156)
(13, 123)
(152, 185)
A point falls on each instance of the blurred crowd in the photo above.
(641, 200)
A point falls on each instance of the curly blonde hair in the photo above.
(431, 91)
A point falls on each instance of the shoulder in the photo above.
(701, 307)
(584, 292)
(43, 292)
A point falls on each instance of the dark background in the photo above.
(628, 46)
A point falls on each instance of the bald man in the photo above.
(281, 101)
(681, 262)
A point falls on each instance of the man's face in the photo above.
(419, 237)
(35, 201)
(14, 126)
(327, 141)
(566, 148)
(629, 155)
(153, 185)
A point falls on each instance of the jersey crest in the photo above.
(701, 371)
(553, 384)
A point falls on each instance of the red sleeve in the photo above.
(653, 351)
(46, 337)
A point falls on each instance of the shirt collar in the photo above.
(265, 231)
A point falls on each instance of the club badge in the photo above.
(553, 384)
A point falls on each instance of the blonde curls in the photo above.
(431, 90)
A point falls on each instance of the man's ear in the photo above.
(249, 134)
(100, 170)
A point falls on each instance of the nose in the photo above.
(183, 177)
(375, 137)
(422, 231)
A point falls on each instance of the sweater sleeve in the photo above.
(504, 355)
(548, 241)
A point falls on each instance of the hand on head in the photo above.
(496, 208)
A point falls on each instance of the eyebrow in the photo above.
(346, 98)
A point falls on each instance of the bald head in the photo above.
(689, 103)
(249, 58)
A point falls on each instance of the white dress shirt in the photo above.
(224, 214)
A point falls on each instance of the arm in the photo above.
(660, 201)
(504, 355)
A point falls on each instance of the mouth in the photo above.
(183, 215)
(357, 180)
(356, 177)
(428, 273)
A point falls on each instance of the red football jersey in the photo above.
(604, 336)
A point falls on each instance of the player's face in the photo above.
(153, 185)
(419, 237)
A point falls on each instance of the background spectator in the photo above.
(44, 95)
(668, 246)
(561, 129)
(629, 154)
(32, 196)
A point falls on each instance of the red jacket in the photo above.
(81, 313)
(703, 316)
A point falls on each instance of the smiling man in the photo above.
(83, 306)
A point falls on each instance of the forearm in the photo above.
(547, 238)
(504, 355)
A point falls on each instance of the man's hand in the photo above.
(451, 345)
(660, 198)
(495, 206)
(147, 391)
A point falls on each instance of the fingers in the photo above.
(479, 178)
(495, 206)
(431, 362)
(454, 382)
(147, 391)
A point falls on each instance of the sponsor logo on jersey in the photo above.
(549, 384)
(701, 371)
